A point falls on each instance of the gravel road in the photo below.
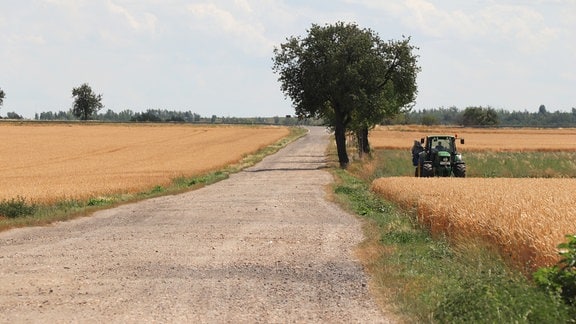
(264, 246)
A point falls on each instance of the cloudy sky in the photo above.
(215, 57)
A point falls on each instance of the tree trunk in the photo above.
(359, 142)
(340, 134)
(364, 146)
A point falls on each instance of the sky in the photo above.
(215, 57)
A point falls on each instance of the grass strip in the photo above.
(487, 164)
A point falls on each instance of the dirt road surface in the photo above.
(264, 246)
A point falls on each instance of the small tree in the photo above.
(13, 115)
(2, 96)
(542, 110)
(86, 102)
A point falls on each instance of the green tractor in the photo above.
(438, 157)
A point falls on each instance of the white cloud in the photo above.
(239, 29)
(521, 24)
(147, 23)
(518, 24)
(244, 5)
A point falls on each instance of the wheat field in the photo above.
(478, 139)
(47, 162)
(525, 218)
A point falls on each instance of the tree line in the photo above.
(474, 116)
(87, 106)
(478, 116)
(173, 116)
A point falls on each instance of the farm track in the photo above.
(264, 246)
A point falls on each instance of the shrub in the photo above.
(561, 278)
(16, 207)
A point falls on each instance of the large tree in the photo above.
(86, 102)
(347, 76)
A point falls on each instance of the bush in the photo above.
(561, 278)
(16, 207)
(495, 298)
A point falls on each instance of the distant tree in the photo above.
(2, 96)
(429, 120)
(13, 115)
(148, 116)
(480, 116)
(542, 109)
(348, 77)
(125, 115)
(86, 102)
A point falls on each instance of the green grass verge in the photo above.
(433, 281)
(19, 212)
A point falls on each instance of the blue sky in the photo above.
(215, 57)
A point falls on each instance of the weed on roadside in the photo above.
(16, 207)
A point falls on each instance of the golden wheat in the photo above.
(495, 139)
(51, 162)
(525, 218)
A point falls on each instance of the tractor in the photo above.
(438, 157)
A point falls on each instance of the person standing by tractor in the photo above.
(416, 149)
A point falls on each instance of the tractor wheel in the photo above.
(427, 170)
(460, 170)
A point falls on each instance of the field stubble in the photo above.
(46, 163)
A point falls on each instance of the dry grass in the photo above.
(51, 162)
(524, 218)
(495, 140)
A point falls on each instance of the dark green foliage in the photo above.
(561, 278)
(13, 115)
(100, 201)
(16, 207)
(148, 116)
(429, 120)
(86, 102)
(454, 116)
(157, 189)
(2, 96)
(480, 116)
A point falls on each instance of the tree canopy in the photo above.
(2, 96)
(480, 116)
(347, 76)
(86, 102)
